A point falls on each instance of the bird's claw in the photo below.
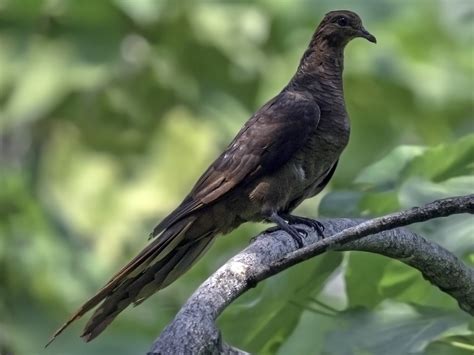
(298, 235)
(289, 224)
(316, 225)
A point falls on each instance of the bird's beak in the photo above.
(367, 35)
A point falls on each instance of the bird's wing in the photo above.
(266, 142)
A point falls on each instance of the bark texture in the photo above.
(193, 331)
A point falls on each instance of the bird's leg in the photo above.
(291, 230)
(317, 226)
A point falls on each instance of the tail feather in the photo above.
(154, 278)
(158, 265)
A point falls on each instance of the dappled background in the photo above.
(110, 110)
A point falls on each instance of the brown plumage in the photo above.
(285, 153)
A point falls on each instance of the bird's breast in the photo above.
(318, 155)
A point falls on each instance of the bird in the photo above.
(285, 153)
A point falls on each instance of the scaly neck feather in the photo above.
(321, 66)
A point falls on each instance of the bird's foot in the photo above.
(316, 225)
(297, 233)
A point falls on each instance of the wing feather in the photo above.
(266, 142)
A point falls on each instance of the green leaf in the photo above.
(403, 283)
(341, 204)
(273, 306)
(391, 329)
(459, 342)
(364, 271)
(379, 203)
(309, 335)
(444, 161)
(455, 232)
(386, 172)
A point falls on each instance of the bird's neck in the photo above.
(321, 67)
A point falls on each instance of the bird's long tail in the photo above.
(155, 267)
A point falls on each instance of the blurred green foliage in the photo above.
(110, 110)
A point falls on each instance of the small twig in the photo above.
(323, 305)
(436, 209)
(312, 309)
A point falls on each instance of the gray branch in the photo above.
(193, 331)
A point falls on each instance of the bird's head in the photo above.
(339, 27)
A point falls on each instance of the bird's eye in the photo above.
(342, 21)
